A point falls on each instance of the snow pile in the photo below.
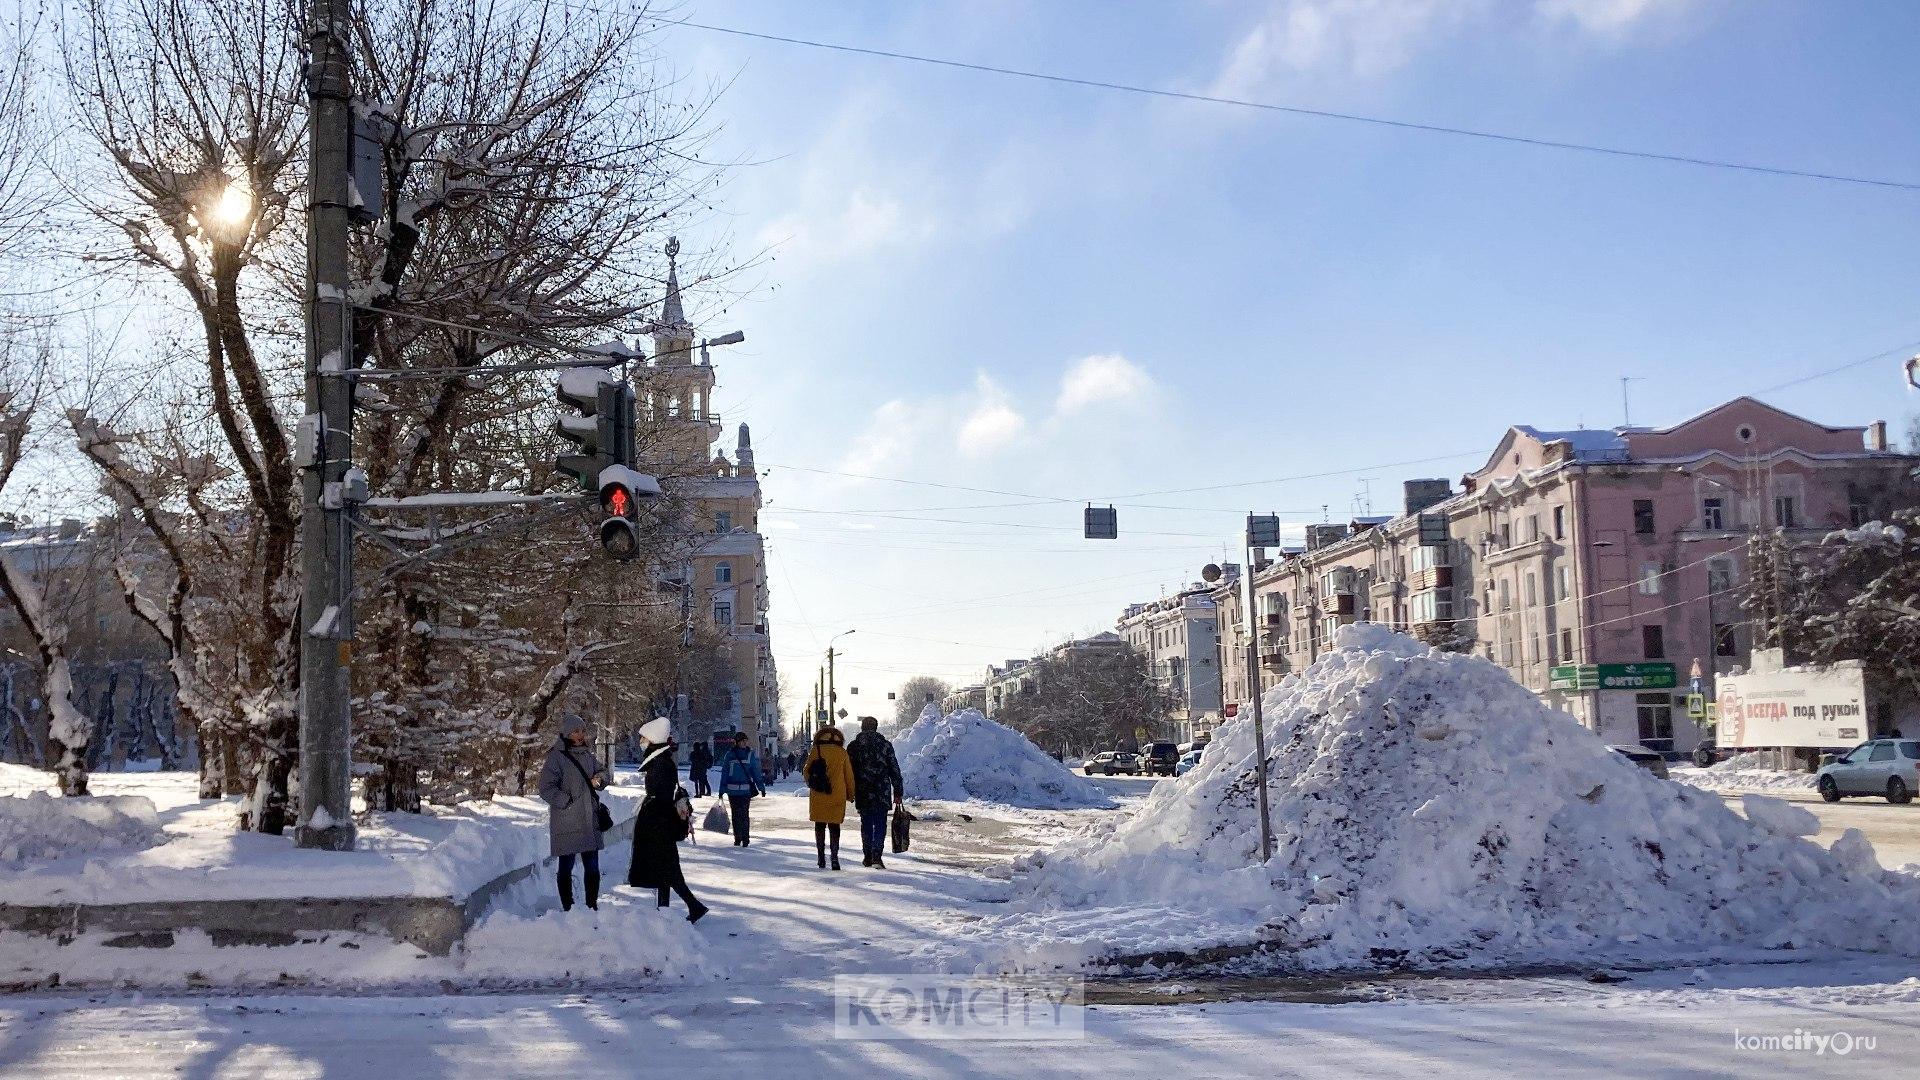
(1428, 810)
(622, 941)
(38, 826)
(1754, 770)
(967, 756)
(1779, 817)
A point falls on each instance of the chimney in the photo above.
(1422, 494)
(1877, 435)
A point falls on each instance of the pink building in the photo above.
(1597, 566)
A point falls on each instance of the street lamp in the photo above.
(833, 700)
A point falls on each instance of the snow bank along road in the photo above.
(1893, 830)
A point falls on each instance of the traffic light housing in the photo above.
(603, 430)
(621, 491)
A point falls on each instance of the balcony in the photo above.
(1340, 604)
(1433, 577)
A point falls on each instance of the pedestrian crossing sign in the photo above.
(1696, 705)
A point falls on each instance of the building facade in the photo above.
(1180, 638)
(723, 568)
(1598, 567)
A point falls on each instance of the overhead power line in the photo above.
(1319, 114)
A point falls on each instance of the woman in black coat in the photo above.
(658, 827)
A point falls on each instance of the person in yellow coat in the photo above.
(829, 776)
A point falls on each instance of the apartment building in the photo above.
(1598, 567)
(1180, 638)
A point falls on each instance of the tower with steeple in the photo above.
(725, 562)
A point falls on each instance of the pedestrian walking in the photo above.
(740, 780)
(877, 788)
(664, 819)
(830, 787)
(569, 780)
(699, 761)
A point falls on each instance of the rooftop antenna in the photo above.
(1363, 499)
(1626, 410)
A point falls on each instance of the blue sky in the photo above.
(1260, 295)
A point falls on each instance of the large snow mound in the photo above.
(967, 756)
(1428, 810)
(1754, 770)
(38, 826)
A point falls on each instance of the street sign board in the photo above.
(1433, 530)
(1232, 710)
(1263, 531)
(1643, 676)
(1794, 706)
(1102, 523)
(1696, 706)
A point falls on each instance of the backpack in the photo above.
(817, 775)
(737, 772)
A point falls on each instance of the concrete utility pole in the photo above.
(326, 560)
(1271, 525)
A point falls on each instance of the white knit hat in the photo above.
(657, 731)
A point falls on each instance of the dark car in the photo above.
(1159, 757)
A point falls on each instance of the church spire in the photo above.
(671, 313)
(743, 452)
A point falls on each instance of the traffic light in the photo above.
(603, 430)
(621, 492)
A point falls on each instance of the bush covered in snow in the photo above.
(1427, 809)
(967, 756)
(38, 826)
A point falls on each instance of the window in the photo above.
(1506, 536)
(1559, 523)
(1432, 605)
(1643, 516)
(1650, 579)
(1719, 576)
(1713, 514)
(1857, 512)
(1533, 527)
(1566, 643)
(1506, 597)
(1724, 643)
(1783, 511)
(723, 613)
(1882, 751)
(1428, 557)
(1506, 653)
(1910, 751)
(723, 573)
(1655, 713)
(1566, 582)
(723, 521)
(1533, 649)
(1653, 642)
(1533, 593)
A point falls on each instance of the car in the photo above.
(1886, 767)
(1186, 763)
(1650, 760)
(1108, 762)
(1159, 757)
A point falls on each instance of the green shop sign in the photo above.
(1653, 676)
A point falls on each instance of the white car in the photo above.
(1186, 763)
(1889, 767)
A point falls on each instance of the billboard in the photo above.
(1793, 706)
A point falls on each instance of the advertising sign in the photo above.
(1793, 707)
(1648, 676)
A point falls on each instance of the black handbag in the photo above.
(602, 817)
(900, 819)
(817, 778)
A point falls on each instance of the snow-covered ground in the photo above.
(747, 993)
(1755, 770)
(446, 852)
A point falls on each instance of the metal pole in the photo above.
(833, 696)
(326, 567)
(1259, 718)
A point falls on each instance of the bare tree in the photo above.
(913, 696)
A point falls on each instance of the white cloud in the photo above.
(1368, 39)
(868, 221)
(888, 439)
(992, 424)
(1104, 377)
